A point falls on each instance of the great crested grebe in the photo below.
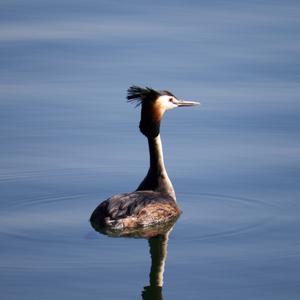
(154, 201)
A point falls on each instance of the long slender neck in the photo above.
(157, 178)
(157, 164)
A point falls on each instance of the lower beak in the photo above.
(187, 103)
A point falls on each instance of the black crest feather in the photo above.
(138, 95)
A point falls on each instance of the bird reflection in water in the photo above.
(158, 251)
(157, 237)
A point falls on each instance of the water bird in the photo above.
(154, 201)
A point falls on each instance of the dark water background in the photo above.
(69, 140)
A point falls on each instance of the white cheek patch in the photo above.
(165, 103)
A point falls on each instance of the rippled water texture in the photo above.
(69, 140)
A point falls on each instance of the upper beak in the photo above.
(186, 103)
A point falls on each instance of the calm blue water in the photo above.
(69, 140)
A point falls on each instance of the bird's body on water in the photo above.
(154, 201)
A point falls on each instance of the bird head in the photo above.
(154, 104)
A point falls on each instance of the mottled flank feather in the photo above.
(140, 208)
